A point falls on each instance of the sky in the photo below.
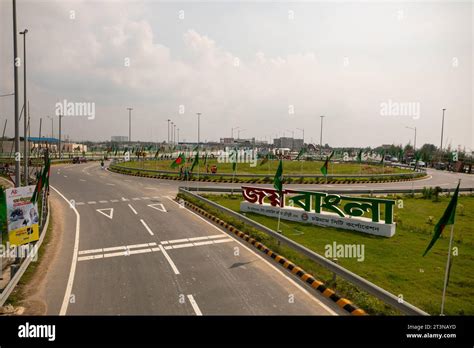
(270, 68)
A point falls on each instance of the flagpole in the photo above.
(446, 274)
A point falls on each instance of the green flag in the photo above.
(324, 168)
(234, 166)
(178, 161)
(278, 180)
(446, 219)
(264, 159)
(196, 160)
(359, 156)
(301, 153)
(3, 209)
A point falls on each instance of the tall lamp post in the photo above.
(25, 123)
(168, 130)
(15, 78)
(129, 125)
(199, 139)
(232, 131)
(442, 130)
(321, 137)
(414, 142)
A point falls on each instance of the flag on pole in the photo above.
(3, 209)
(359, 156)
(196, 160)
(446, 219)
(43, 182)
(205, 159)
(301, 153)
(278, 180)
(156, 153)
(178, 161)
(324, 168)
(383, 157)
(264, 160)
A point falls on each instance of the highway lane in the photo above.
(139, 252)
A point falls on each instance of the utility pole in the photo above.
(129, 125)
(442, 131)
(168, 131)
(178, 136)
(15, 78)
(414, 142)
(25, 121)
(41, 122)
(60, 116)
(301, 129)
(199, 139)
(321, 137)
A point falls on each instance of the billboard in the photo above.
(22, 215)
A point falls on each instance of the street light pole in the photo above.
(442, 131)
(60, 116)
(232, 131)
(168, 131)
(15, 78)
(129, 125)
(25, 120)
(178, 136)
(321, 138)
(199, 139)
(414, 142)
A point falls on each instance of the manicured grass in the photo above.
(396, 264)
(289, 167)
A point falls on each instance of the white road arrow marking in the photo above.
(110, 215)
(158, 206)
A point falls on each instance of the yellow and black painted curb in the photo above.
(259, 181)
(299, 272)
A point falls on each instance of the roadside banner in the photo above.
(22, 215)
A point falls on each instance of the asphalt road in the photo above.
(128, 248)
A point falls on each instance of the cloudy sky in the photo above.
(266, 67)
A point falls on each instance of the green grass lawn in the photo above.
(396, 264)
(289, 167)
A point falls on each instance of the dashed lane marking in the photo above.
(146, 227)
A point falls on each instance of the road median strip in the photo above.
(344, 303)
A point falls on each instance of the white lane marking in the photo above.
(72, 271)
(82, 180)
(173, 266)
(145, 197)
(193, 239)
(114, 200)
(80, 203)
(159, 207)
(110, 184)
(125, 199)
(135, 199)
(320, 303)
(110, 215)
(121, 247)
(146, 226)
(103, 201)
(92, 202)
(134, 211)
(195, 305)
(65, 176)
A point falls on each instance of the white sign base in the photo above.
(358, 224)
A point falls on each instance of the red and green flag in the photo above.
(178, 161)
(446, 219)
(324, 168)
(43, 182)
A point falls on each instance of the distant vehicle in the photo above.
(79, 160)
(420, 164)
(440, 166)
(394, 159)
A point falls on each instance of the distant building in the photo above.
(287, 142)
(227, 140)
(119, 138)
